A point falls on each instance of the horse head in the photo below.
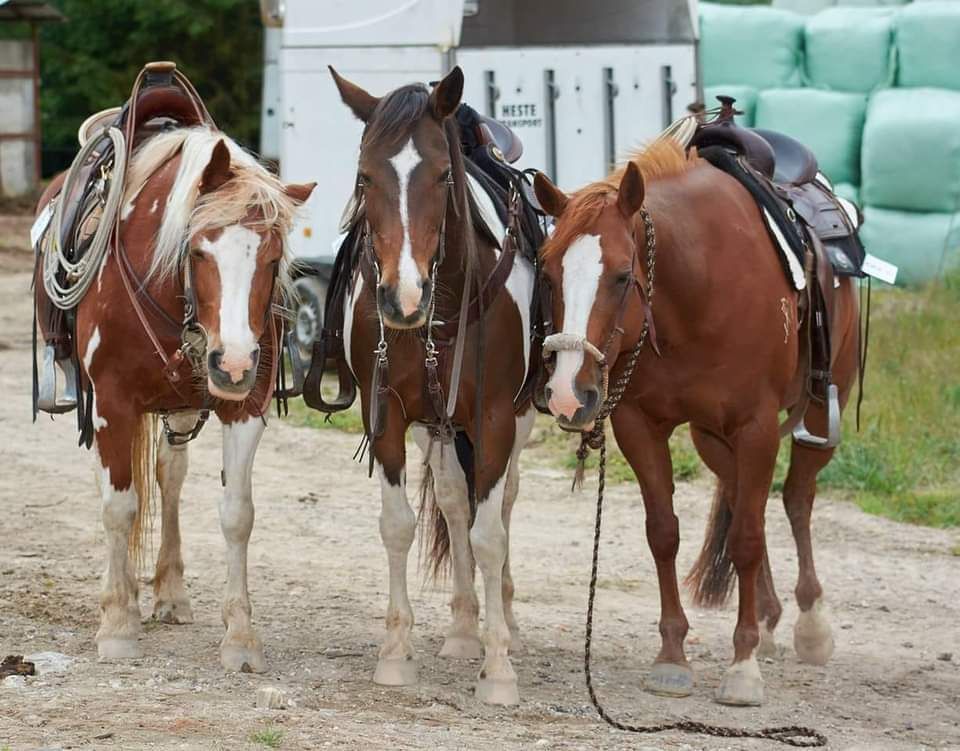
(591, 264)
(405, 177)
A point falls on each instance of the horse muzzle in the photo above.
(230, 377)
(404, 314)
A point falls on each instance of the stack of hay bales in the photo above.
(875, 92)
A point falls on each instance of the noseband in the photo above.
(566, 342)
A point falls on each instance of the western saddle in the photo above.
(161, 97)
(783, 176)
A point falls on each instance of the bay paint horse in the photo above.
(429, 228)
(726, 321)
(194, 204)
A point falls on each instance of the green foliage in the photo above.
(269, 737)
(89, 63)
(349, 421)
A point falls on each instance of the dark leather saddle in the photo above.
(161, 98)
(784, 178)
(478, 131)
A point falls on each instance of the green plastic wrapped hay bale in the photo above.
(829, 122)
(850, 49)
(753, 46)
(922, 245)
(804, 7)
(911, 150)
(746, 97)
(928, 44)
(871, 3)
(848, 191)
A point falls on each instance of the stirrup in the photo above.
(47, 400)
(312, 394)
(804, 437)
(298, 367)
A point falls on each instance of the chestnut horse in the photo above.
(418, 204)
(194, 203)
(727, 328)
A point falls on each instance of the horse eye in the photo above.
(624, 277)
(364, 180)
(447, 173)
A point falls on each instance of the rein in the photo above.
(791, 735)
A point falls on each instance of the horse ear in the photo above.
(217, 171)
(299, 192)
(551, 198)
(360, 101)
(445, 97)
(631, 192)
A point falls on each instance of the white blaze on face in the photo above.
(582, 266)
(408, 275)
(235, 252)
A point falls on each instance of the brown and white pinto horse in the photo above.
(414, 190)
(195, 203)
(726, 323)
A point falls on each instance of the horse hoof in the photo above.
(173, 612)
(768, 643)
(813, 637)
(516, 643)
(396, 672)
(462, 648)
(742, 685)
(241, 659)
(669, 679)
(503, 692)
(118, 649)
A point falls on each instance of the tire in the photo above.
(308, 321)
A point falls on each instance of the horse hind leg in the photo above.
(171, 602)
(451, 542)
(812, 634)
(241, 648)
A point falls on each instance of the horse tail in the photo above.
(711, 578)
(143, 456)
(434, 535)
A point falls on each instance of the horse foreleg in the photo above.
(497, 681)
(755, 448)
(812, 635)
(462, 639)
(171, 602)
(119, 606)
(397, 663)
(647, 450)
(241, 648)
(523, 428)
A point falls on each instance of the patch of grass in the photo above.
(349, 421)
(269, 737)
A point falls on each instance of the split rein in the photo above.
(791, 735)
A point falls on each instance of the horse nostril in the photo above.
(547, 393)
(216, 357)
(590, 399)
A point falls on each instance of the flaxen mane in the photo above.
(662, 158)
(187, 212)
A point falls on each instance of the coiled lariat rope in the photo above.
(790, 735)
(65, 280)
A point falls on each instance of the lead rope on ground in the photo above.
(790, 735)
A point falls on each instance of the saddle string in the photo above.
(791, 735)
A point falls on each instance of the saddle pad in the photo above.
(786, 235)
(808, 208)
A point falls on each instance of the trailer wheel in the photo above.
(312, 295)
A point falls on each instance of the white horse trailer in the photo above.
(580, 83)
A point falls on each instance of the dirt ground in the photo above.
(318, 580)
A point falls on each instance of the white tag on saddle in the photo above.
(879, 269)
(40, 225)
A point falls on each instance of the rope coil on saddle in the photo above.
(790, 735)
(64, 280)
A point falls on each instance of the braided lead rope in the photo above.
(790, 735)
